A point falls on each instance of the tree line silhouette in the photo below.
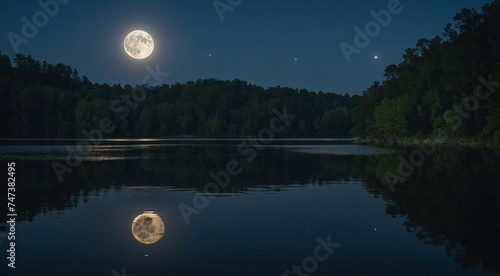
(41, 100)
(446, 83)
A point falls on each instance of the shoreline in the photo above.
(416, 141)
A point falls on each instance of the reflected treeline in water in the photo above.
(451, 200)
(182, 167)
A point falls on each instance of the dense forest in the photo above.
(444, 87)
(40, 100)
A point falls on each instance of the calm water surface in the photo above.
(146, 207)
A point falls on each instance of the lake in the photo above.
(219, 206)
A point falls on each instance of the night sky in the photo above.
(265, 42)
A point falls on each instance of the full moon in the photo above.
(148, 228)
(138, 44)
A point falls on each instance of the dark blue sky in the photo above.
(292, 43)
